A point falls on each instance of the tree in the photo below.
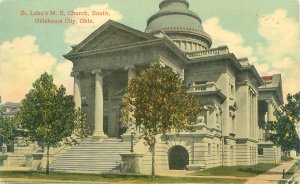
(283, 132)
(157, 102)
(49, 116)
(8, 129)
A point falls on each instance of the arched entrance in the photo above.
(178, 158)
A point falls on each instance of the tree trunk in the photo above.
(47, 165)
(153, 160)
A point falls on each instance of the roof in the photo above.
(267, 78)
(11, 104)
(13, 108)
(147, 39)
(273, 84)
(222, 52)
(175, 17)
(110, 24)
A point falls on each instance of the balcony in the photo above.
(210, 52)
(209, 86)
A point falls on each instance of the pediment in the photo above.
(111, 39)
(111, 34)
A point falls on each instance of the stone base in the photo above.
(98, 136)
(132, 163)
(4, 149)
(196, 167)
(126, 137)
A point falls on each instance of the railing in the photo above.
(209, 86)
(210, 52)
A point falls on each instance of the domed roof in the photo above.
(174, 16)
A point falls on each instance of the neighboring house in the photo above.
(228, 87)
(270, 98)
(11, 109)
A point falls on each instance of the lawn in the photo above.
(114, 178)
(240, 171)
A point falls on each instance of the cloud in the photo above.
(76, 33)
(234, 41)
(278, 52)
(21, 62)
(280, 49)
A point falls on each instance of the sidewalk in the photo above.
(273, 175)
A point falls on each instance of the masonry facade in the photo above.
(234, 96)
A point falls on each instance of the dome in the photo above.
(183, 26)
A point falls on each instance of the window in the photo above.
(231, 89)
(260, 150)
(218, 149)
(209, 149)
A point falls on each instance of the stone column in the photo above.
(255, 116)
(270, 112)
(77, 93)
(250, 112)
(98, 132)
(131, 74)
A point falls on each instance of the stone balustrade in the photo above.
(210, 52)
(209, 86)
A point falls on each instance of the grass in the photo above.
(114, 178)
(240, 171)
(290, 173)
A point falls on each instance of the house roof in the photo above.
(273, 84)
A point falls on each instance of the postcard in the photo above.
(240, 59)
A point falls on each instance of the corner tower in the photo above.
(183, 26)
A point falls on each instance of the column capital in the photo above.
(130, 67)
(75, 74)
(97, 71)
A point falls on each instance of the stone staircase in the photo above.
(92, 157)
(17, 160)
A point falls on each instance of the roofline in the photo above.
(254, 71)
(273, 89)
(165, 41)
(236, 62)
(103, 27)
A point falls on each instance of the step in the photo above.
(92, 157)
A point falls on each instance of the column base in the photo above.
(99, 135)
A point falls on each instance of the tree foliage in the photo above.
(49, 116)
(8, 129)
(157, 102)
(283, 132)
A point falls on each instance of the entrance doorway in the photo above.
(178, 158)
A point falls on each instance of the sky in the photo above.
(265, 31)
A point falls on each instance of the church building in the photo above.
(236, 99)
